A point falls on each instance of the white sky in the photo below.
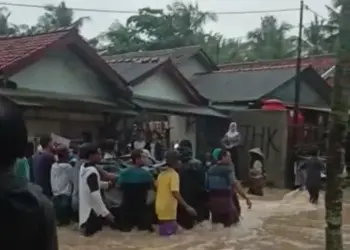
(229, 25)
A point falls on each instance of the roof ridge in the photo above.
(275, 60)
(142, 60)
(275, 67)
(39, 33)
(158, 50)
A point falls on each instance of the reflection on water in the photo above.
(286, 223)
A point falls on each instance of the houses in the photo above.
(239, 88)
(65, 87)
(62, 84)
(160, 81)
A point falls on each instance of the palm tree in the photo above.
(314, 38)
(332, 26)
(270, 40)
(119, 39)
(7, 28)
(58, 17)
(222, 50)
(189, 20)
(339, 122)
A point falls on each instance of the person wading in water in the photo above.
(313, 167)
(168, 196)
(221, 183)
(256, 172)
(192, 187)
(92, 210)
(135, 182)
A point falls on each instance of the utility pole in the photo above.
(290, 174)
(298, 67)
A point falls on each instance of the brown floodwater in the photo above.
(276, 221)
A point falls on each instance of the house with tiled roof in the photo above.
(63, 85)
(237, 89)
(160, 84)
(323, 64)
(249, 82)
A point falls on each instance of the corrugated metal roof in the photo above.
(172, 107)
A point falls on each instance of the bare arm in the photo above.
(239, 188)
(179, 198)
(175, 190)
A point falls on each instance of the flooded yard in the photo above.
(276, 222)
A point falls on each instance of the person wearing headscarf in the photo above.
(216, 153)
(222, 186)
(256, 172)
(231, 141)
(192, 187)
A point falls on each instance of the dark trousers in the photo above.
(140, 217)
(93, 225)
(63, 209)
(313, 194)
(227, 219)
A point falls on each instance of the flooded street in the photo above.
(276, 222)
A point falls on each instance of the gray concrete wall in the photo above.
(269, 131)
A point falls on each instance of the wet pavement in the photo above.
(276, 222)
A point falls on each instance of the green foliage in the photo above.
(181, 24)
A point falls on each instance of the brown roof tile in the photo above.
(15, 49)
(18, 52)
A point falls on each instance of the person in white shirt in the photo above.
(140, 142)
(61, 185)
(92, 210)
(109, 153)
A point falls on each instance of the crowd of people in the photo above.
(183, 191)
(58, 184)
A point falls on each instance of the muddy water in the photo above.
(276, 222)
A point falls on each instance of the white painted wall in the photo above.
(63, 72)
(160, 85)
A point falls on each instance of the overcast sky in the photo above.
(229, 25)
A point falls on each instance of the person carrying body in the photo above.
(61, 184)
(192, 187)
(92, 210)
(42, 163)
(168, 196)
(221, 183)
(135, 182)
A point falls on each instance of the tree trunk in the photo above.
(339, 122)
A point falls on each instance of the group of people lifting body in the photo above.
(185, 193)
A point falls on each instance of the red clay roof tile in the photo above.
(18, 52)
(13, 49)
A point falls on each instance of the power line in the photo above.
(136, 12)
(315, 13)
